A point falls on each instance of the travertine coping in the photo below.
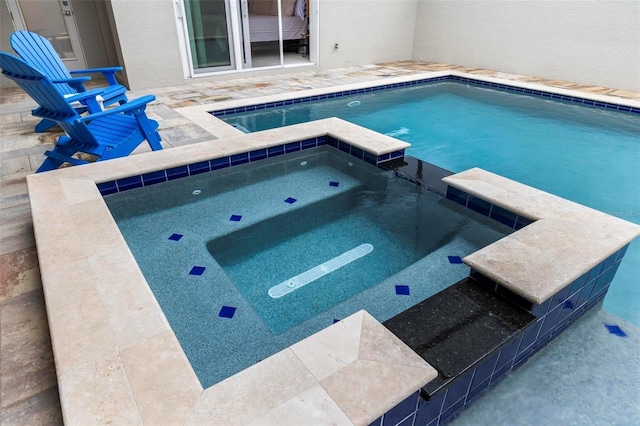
(565, 241)
(119, 362)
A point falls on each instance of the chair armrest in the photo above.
(138, 103)
(85, 95)
(77, 82)
(108, 72)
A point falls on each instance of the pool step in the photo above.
(458, 328)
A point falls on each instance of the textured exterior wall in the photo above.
(149, 49)
(589, 42)
(367, 31)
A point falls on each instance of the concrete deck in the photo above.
(28, 386)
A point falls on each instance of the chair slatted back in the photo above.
(39, 52)
(53, 104)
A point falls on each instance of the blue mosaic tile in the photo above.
(357, 152)
(585, 294)
(508, 352)
(107, 188)
(258, 154)
(332, 183)
(479, 205)
(456, 195)
(227, 312)
(176, 237)
(558, 298)
(483, 371)
(238, 159)
(451, 411)
(197, 168)
(309, 143)
(595, 271)
(235, 218)
(550, 321)
(456, 260)
(568, 306)
(177, 172)
(154, 177)
(401, 411)
(402, 290)
(128, 183)
(220, 163)
(616, 330)
(383, 157)
(541, 309)
(578, 283)
(473, 393)
(197, 270)
(396, 154)
(275, 151)
(321, 140)
(290, 200)
(292, 147)
(503, 216)
(529, 337)
(429, 411)
(457, 390)
(622, 252)
(376, 422)
(370, 158)
(344, 147)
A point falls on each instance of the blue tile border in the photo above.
(152, 178)
(485, 208)
(454, 78)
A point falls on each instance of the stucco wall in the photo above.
(149, 50)
(593, 42)
(367, 31)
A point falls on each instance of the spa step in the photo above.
(458, 328)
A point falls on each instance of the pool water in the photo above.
(585, 154)
(212, 246)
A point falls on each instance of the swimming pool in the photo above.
(108, 331)
(347, 232)
(580, 151)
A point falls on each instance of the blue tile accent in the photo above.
(529, 337)
(292, 147)
(197, 270)
(107, 188)
(154, 177)
(176, 237)
(357, 152)
(578, 283)
(227, 312)
(128, 183)
(332, 141)
(429, 411)
(473, 393)
(550, 321)
(457, 390)
(568, 306)
(508, 352)
(514, 298)
(335, 320)
(238, 159)
(614, 329)
(258, 154)
(309, 143)
(484, 370)
(456, 195)
(235, 218)
(344, 147)
(522, 221)
(220, 163)
(376, 422)
(402, 290)
(503, 216)
(558, 298)
(290, 200)
(197, 168)
(457, 260)
(275, 151)
(479, 205)
(177, 172)
(595, 271)
(401, 411)
(370, 158)
(334, 183)
(451, 411)
(541, 309)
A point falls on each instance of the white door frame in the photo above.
(19, 23)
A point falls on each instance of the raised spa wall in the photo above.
(525, 325)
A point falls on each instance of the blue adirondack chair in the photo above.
(38, 52)
(112, 133)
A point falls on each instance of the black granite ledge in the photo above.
(457, 328)
(427, 174)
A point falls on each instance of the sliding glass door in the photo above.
(224, 35)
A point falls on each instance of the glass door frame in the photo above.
(240, 43)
